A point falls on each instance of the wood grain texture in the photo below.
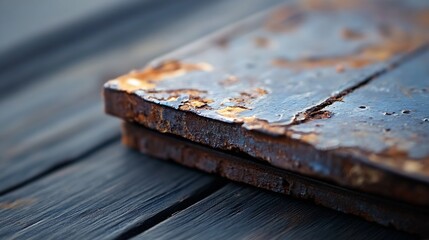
(24, 21)
(99, 198)
(235, 212)
(123, 31)
(58, 117)
(243, 95)
(35, 29)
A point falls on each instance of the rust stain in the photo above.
(412, 166)
(241, 104)
(196, 102)
(178, 92)
(361, 176)
(19, 203)
(231, 80)
(322, 114)
(399, 43)
(231, 112)
(351, 34)
(309, 137)
(248, 97)
(340, 68)
(422, 17)
(260, 124)
(262, 42)
(284, 19)
(394, 40)
(398, 158)
(173, 94)
(148, 77)
(332, 4)
(222, 42)
(312, 115)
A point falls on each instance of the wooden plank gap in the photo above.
(165, 214)
(62, 164)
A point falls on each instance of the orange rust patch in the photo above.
(350, 34)
(249, 96)
(309, 137)
(262, 42)
(229, 81)
(395, 40)
(173, 94)
(333, 5)
(240, 102)
(222, 42)
(340, 68)
(422, 18)
(323, 114)
(231, 112)
(361, 176)
(284, 19)
(195, 102)
(177, 92)
(398, 158)
(148, 77)
(260, 124)
(380, 52)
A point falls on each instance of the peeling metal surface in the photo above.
(250, 171)
(385, 122)
(249, 88)
(326, 52)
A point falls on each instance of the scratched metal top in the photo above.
(386, 121)
(275, 72)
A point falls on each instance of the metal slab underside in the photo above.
(264, 86)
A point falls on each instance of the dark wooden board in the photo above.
(56, 118)
(24, 21)
(235, 212)
(102, 197)
(262, 175)
(35, 29)
(242, 89)
(121, 28)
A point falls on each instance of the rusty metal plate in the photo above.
(249, 88)
(250, 171)
(384, 123)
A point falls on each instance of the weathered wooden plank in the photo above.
(100, 197)
(124, 31)
(235, 212)
(33, 29)
(22, 21)
(259, 174)
(58, 117)
(242, 89)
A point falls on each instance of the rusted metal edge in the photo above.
(343, 169)
(256, 173)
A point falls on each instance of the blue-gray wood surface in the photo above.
(63, 173)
